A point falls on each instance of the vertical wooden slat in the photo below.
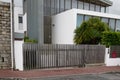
(38, 56)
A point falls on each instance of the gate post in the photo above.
(57, 55)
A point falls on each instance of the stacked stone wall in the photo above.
(5, 36)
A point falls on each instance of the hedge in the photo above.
(111, 38)
(27, 40)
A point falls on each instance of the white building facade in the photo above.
(65, 23)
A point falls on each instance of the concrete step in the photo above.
(93, 65)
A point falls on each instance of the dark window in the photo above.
(20, 19)
(115, 52)
(3, 59)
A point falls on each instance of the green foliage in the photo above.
(90, 31)
(27, 40)
(111, 38)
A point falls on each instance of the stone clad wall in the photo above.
(5, 36)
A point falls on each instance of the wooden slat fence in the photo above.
(37, 56)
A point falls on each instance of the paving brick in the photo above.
(57, 72)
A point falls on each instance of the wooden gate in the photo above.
(38, 56)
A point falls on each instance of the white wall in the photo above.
(63, 28)
(111, 61)
(19, 55)
(64, 24)
(25, 22)
(18, 11)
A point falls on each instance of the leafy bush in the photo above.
(90, 31)
(27, 40)
(111, 38)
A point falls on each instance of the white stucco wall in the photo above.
(64, 24)
(18, 55)
(18, 11)
(111, 61)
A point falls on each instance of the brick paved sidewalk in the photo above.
(56, 72)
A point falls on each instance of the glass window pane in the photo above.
(80, 5)
(61, 5)
(112, 24)
(20, 19)
(105, 20)
(107, 9)
(74, 3)
(48, 8)
(92, 7)
(57, 6)
(79, 20)
(86, 6)
(97, 8)
(103, 9)
(118, 25)
(52, 7)
(87, 18)
(68, 4)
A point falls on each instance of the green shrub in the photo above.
(111, 38)
(90, 31)
(27, 40)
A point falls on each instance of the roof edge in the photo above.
(110, 3)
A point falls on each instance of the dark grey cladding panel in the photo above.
(35, 19)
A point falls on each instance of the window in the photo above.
(112, 24)
(68, 4)
(115, 52)
(118, 25)
(107, 9)
(74, 3)
(97, 8)
(80, 5)
(20, 19)
(105, 20)
(79, 20)
(92, 7)
(87, 17)
(61, 5)
(52, 7)
(103, 9)
(86, 6)
(57, 6)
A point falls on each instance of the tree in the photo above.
(90, 31)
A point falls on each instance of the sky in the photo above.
(113, 10)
